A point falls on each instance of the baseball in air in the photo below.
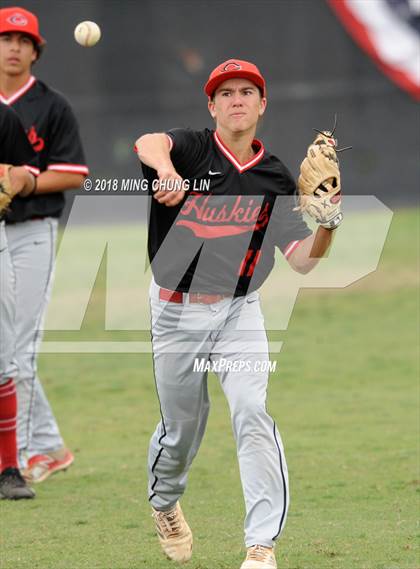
(87, 33)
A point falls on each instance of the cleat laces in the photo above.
(258, 553)
(170, 522)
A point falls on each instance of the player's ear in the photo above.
(210, 106)
(35, 53)
(263, 106)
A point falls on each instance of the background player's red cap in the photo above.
(232, 69)
(20, 20)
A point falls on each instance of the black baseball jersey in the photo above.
(222, 237)
(53, 132)
(14, 145)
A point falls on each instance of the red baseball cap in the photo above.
(231, 69)
(20, 20)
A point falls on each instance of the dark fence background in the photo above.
(148, 71)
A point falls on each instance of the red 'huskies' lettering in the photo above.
(206, 219)
(36, 141)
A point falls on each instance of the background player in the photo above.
(31, 228)
(14, 149)
(208, 259)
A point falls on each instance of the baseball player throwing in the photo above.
(31, 227)
(14, 149)
(210, 250)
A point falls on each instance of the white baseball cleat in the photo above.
(259, 557)
(174, 534)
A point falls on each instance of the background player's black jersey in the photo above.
(14, 145)
(222, 238)
(52, 130)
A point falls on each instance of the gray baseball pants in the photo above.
(32, 251)
(180, 334)
(8, 367)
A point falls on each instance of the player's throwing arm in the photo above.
(154, 150)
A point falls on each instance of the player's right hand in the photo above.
(170, 192)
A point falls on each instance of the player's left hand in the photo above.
(319, 182)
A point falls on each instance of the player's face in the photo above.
(17, 53)
(237, 105)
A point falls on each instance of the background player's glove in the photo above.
(319, 182)
(6, 191)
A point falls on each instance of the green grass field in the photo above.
(345, 396)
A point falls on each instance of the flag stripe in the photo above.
(392, 43)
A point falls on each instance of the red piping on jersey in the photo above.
(18, 93)
(292, 246)
(70, 168)
(233, 159)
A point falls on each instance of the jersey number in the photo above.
(249, 263)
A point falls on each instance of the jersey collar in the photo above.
(232, 158)
(18, 93)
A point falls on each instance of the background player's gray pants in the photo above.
(185, 405)
(8, 368)
(32, 250)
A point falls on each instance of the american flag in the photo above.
(389, 32)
